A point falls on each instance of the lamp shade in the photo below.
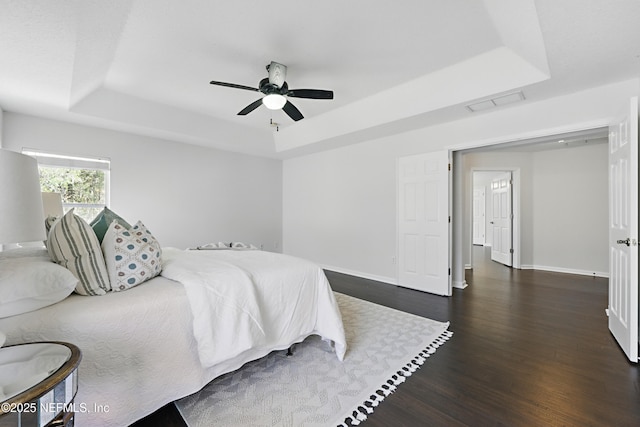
(52, 204)
(21, 215)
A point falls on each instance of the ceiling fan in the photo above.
(276, 91)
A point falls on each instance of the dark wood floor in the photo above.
(530, 348)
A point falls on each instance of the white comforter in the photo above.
(138, 349)
(242, 300)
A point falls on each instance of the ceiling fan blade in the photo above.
(310, 93)
(249, 108)
(233, 85)
(292, 111)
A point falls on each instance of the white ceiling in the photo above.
(144, 66)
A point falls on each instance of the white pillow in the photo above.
(132, 255)
(30, 281)
(243, 246)
(73, 244)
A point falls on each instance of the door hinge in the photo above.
(449, 219)
(449, 166)
(510, 251)
(449, 271)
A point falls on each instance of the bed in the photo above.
(208, 313)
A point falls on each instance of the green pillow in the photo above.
(101, 223)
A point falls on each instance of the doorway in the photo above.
(539, 167)
(493, 213)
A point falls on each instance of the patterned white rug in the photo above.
(313, 388)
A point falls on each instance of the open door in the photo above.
(478, 216)
(623, 231)
(502, 219)
(423, 223)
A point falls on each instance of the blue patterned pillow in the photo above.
(132, 255)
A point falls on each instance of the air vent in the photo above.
(487, 104)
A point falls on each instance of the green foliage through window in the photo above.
(76, 185)
(82, 189)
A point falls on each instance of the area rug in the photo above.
(312, 388)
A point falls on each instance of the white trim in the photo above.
(460, 285)
(533, 136)
(383, 279)
(62, 160)
(52, 160)
(566, 270)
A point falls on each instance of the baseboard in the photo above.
(566, 270)
(460, 284)
(456, 284)
(383, 279)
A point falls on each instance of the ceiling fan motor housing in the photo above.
(269, 88)
(277, 73)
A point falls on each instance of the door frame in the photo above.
(457, 192)
(458, 186)
(515, 209)
(482, 209)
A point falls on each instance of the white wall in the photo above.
(339, 209)
(1, 122)
(339, 206)
(571, 210)
(186, 195)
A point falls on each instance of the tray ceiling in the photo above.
(144, 66)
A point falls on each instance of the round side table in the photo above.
(38, 382)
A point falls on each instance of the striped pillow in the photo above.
(73, 244)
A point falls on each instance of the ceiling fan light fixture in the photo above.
(274, 101)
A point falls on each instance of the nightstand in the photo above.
(38, 382)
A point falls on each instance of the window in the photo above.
(82, 182)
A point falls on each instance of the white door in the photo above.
(423, 223)
(623, 231)
(502, 219)
(478, 216)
